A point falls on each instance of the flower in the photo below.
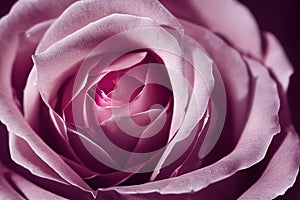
(122, 99)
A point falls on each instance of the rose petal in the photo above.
(228, 18)
(65, 109)
(23, 15)
(95, 142)
(64, 63)
(9, 115)
(108, 171)
(126, 61)
(96, 180)
(36, 187)
(80, 169)
(36, 32)
(82, 13)
(7, 190)
(83, 144)
(11, 168)
(186, 152)
(210, 132)
(230, 64)
(44, 129)
(231, 188)
(28, 14)
(252, 145)
(276, 59)
(202, 85)
(142, 39)
(16, 187)
(31, 98)
(23, 62)
(122, 134)
(281, 171)
(22, 154)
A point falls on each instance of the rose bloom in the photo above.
(111, 99)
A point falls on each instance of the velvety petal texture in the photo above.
(277, 61)
(237, 24)
(253, 144)
(14, 186)
(152, 99)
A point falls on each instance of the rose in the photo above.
(50, 163)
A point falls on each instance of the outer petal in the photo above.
(23, 15)
(22, 154)
(7, 191)
(71, 50)
(13, 186)
(281, 172)
(276, 59)
(31, 98)
(23, 62)
(9, 115)
(84, 12)
(227, 17)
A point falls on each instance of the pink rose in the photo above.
(111, 99)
